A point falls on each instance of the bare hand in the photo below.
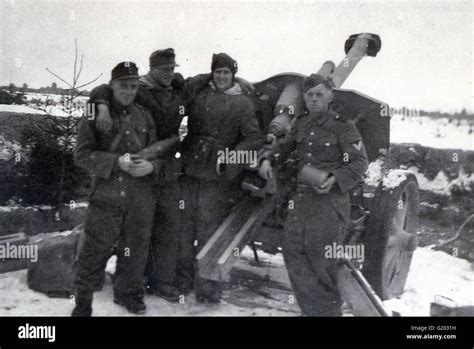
(326, 186)
(266, 171)
(124, 162)
(103, 121)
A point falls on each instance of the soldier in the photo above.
(221, 118)
(122, 203)
(331, 159)
(168, 97)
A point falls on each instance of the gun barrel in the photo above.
(357, 47)
(289, 104)
(159, 149)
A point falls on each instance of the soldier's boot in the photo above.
(166, 291)
(132, 302)
(83, 306)
(208, 291)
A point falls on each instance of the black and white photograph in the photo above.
(236, 159)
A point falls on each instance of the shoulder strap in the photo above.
(118, 137)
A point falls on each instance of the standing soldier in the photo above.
(121, 206)
(331, 159)
(221, 118)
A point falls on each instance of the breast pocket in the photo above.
(327, 148)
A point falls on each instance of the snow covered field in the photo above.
(22, 109)
(432, 273)
(435, 133)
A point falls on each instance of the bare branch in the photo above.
(75, 63)
(90, 82)
(80, 70)
(60, 78)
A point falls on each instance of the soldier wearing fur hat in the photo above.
(121, 205)
(331, 160)
(221, 118)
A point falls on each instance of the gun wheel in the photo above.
(390, 238)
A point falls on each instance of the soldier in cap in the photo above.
(331, 160)
(122, 203)
(221, 117)
(168, 97)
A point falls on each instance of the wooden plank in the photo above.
(209, 254)
(221, 230)
(217, 257)
(228, 257)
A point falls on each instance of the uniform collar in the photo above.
(234, 90)
(319, 118)
(120, 109)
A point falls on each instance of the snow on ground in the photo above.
(432, 273)
(22, 109)
(441, 184)
(16, 299)
(435, 133)
(50, 98)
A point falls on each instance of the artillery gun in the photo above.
(383, 209)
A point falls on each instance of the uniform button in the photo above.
(127, 132)
(309, 154)
(312, 133)
(309, 164)
(120, 179)
(310, 143)
(196, 157)
(327, 144)
(122, 193)
(337, 116)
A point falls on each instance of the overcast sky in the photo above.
(425, 62)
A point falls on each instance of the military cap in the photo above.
(163, 59)
(125, 70)
(314, 80)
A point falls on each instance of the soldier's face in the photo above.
(162, 76)
(124, 91)
(222, 78)
(317, 99)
